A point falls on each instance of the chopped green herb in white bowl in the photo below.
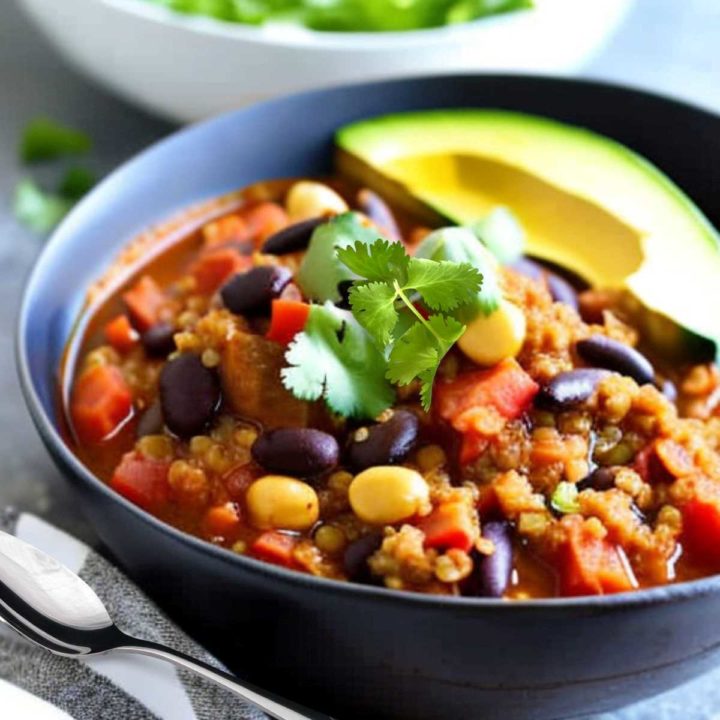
(187, 67)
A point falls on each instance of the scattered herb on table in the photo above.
(45, 140)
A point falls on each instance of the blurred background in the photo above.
(669, 46)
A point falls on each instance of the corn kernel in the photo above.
(199, 445)
(210, 358)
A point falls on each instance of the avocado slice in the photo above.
(587, 203)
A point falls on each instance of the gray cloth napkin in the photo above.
(112, 687)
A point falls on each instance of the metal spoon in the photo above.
(51, 606)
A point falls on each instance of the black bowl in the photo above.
(365, 652)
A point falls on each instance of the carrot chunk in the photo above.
(120, 334)
(450, 525)
(222, 521)
(591, 565)
(144, 301)
(288, 319)
(142, 480)
(506, 389)
(264, 220)
(213, 268)
(701, 520)
(275, 547)
(101, 401)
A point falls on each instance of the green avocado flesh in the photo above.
(586, 202)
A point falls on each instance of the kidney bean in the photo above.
(159, 340)
(569, 389)
(357, 554)
(602, 478)
(151, 422)
(293, 238)
(493, 571)
(380, 213)
(301, 452)
(561, 290)
(251, 292)
(602, 351)
(386, 443)
(189, 395)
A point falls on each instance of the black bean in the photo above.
(151, 422)
(302, 452)
(251, 292)
(292, 239)
(493, 571)
(561, 290)
(569, 389)
(357, 553)
(386, 443)
(189, 394)
(602, 478)
(380, 213)
(159, 340)
(602, 351)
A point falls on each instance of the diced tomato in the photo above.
(264, 220)
(701, 521)
(450, 525)
(144, 301)
(276, 548)
(288, 319)
(222, 521)
(142, 480)
(214, 267)
(120, 334)
(101, 401)
(225, 231)
(591, 565)
(506, 387)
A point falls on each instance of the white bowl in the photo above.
(187, 68)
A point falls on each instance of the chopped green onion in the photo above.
(44, 139)
(565, 498)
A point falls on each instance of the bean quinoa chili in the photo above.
(560, 456)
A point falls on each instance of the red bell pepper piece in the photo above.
(142, 480)
(450, 525)
(289, 318)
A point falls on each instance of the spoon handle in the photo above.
(273, 705)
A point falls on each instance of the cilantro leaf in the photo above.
(412, 354)
(419, 352)
(379, 261)
(334, 358)
(373, 305)
(502, 234)
(44, 139)
(38, 210)
(459, 245)
(443, 285)
(322, 270)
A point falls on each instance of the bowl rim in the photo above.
(47, 426)
(298, 36)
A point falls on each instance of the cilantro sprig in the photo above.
(390, 288)
(335, 359)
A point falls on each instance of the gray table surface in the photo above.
(665, 45)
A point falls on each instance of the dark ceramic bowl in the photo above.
(365, 652)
